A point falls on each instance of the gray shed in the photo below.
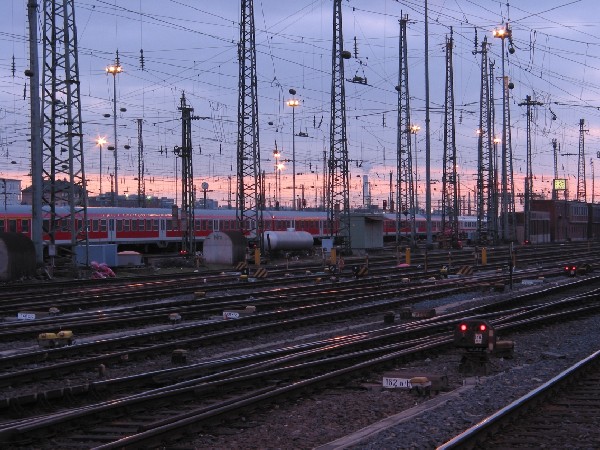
(366, 231)
(225, 247)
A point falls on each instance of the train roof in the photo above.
(111, 210)
(268, 214)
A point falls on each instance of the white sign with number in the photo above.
(400, 383)
(231, 315)
(25, 316)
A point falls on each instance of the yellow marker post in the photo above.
(333, 257)
(484, 256)
(257, 256)
(407, 257)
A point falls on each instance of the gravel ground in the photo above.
(321, 419)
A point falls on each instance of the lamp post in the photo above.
(100, 142)
(293, 103)
(114, 69)
(503, 33)
(414, 129)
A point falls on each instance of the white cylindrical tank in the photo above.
(287, 240)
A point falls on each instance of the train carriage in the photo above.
(144, 228)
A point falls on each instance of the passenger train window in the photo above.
(12, 225)
(95, 225)
(169, 224)
(142, 224)
(134, 225)
(126, 225)
(1, 224)
(119, 225)
(148, 225)
(25, 226)
(155, 226)
(103, 225)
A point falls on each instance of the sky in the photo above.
(191, 47)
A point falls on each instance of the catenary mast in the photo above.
(36, 136)
(581, 184)
(188, 244)
(63, 157)
(485, 154)
(404, 174)
(249, 203)
(449, 226)
(338, 196)
(141, 191)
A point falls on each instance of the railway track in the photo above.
(74, 296)
(339, 290)
(562, 413)
(281, 311)
(240, 384)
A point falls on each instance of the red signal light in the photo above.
(566, 267)
(482, 327)
(463, 327)
(573, 268)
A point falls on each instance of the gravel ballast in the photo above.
(350, 418)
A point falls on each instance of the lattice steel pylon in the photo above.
(509, 222)
(188, 240)
(493, 207)
(555, 150)
(62, 143)
(338, 189)
(249, 202)
(141, 192)
(486, 207)
(529, 168)
(581, 191)
(405, 188)
(449, 179)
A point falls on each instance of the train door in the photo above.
(160, 226)
(112, 234)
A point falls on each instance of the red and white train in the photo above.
(150, 228)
